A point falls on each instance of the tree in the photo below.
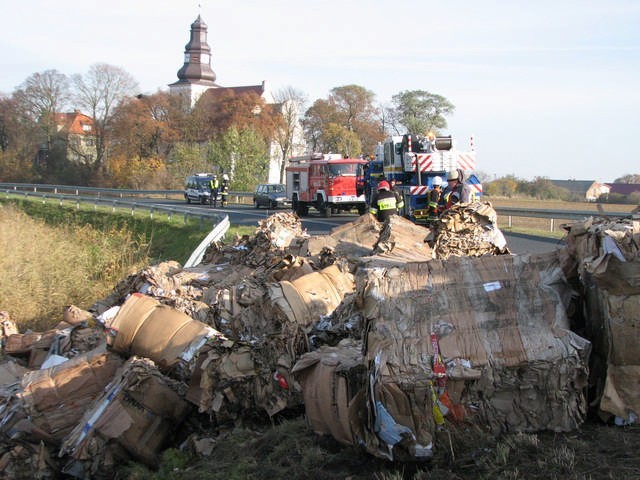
(357, 112)
(103, 88)
(351, 107)
(40, 97)
(243, 154)
(288, 134)
(218, 110)
(339, 139)
(143, 128)
(502, 187)
(18, 142)
(630, 178)
(419, 111)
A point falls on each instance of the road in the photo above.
(316, 225)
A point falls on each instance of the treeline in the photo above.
(155, 141)
(542, 188)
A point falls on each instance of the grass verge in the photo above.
(52, 255)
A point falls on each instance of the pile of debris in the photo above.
(383, 334)
(604, 260)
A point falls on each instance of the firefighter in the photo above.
(214, 186)
(398, 194)
(383, 204)
(224, 191)
(435, 193)
(456, 192)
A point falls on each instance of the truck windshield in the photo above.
(337, 169)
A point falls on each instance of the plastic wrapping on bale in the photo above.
(134, 417)
(54, 399)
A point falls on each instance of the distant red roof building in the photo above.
(75, 137)
(623, 188)
(74, 123)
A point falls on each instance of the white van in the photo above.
(196, 188)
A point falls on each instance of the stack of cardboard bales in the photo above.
(382, 331)
(605, 257)
(499, 325)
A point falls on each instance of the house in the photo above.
(196, 78)
(623, 189)
(75, 138)
(590, 190)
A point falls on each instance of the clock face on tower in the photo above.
(204, 58)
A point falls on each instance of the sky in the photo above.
(545, 88)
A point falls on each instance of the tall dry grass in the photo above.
(46, 267)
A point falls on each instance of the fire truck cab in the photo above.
(326, 182)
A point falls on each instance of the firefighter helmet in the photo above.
(384, 185)
(437, 181)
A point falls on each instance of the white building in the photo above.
(196, 77)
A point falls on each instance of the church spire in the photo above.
(197, 57)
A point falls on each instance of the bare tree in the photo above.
(288, 133)
(40, 97)
(103, 88)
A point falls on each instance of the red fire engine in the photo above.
(326, 182)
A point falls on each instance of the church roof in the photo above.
(221, 91)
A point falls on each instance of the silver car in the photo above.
(270, 195)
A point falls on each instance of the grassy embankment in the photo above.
(52, 256)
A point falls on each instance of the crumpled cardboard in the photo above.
(331, 377)
(138, 411)
(307, 298)
(145, 327)
(606, 261)
(57, 397)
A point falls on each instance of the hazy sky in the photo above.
(546, 88)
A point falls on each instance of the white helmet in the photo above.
(453, 175)
(437, 181)
(225, 177)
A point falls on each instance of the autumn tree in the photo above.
(351, 107)
(18, 142)
(418, 112)
(339, 139)
(288, 134)
(218, 110)
(502, 187)
(99, 92)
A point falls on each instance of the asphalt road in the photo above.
(316, 225)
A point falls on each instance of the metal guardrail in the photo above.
(205, 217)
(106, 195)
(509, 213)
(100, 192)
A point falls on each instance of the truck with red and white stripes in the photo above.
(326, 182)
(413, 161)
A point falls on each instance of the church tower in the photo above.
(196, 75)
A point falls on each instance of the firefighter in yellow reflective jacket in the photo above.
(384, 203)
